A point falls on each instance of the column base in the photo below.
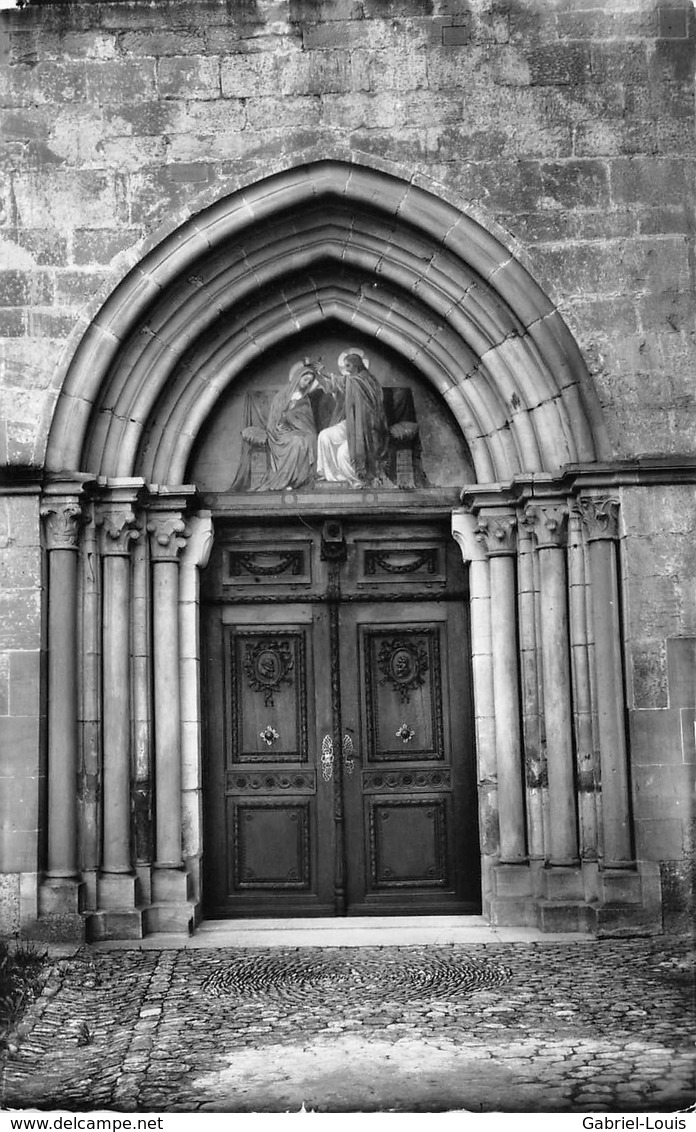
(118, 915)
(117, 892)
(631, 901)
(60, 910)
(565, 916)
(562, 883)
(115, 924)
(172, 909)
(510, 901)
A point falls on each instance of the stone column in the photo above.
(600, 519)
(90, 710)
(194, 558)
(116, 887)
(582, 691)
(549, 521)
(170, 889)
(463, 529)
(61, 893)
(534, 759)
(142, 714)
(496, 530)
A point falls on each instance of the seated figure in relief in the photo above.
(292, 432)
(353, 448)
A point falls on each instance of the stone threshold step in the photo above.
(393, 931)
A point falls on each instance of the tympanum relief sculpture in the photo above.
(327, 429)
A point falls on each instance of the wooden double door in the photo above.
(339, 759)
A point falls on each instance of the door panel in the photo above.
(267, 694)
(270, 810)
(402, 691)
(412, 805)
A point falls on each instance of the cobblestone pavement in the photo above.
(548, 1027)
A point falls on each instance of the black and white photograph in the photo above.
(347, 563)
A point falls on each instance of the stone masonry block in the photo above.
(40, 245)
(307, 11)
(560, 65)
(656, 736)
(619, 62)
(275, 113)
(5, 683)
(673, 22)
(381, 70)
(205, 117)
(575, 184)
(663, 792)
(20, 618)
(41, 84)
(318, 72)
(92, 246)
(649, 674)
(642, 180)
(344, 35)
(51, 198)
(189, 76)
(672, 60)
(659, 839)
(688, 729)
(615, 268)
(24, 676)
(243, 76)
(146, 119)
(12, 322)
(175, 41)
(19, 522)
(681, 671)
(595, 22)
(9, 904)
(120, 80)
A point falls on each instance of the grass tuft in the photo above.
(21, 970)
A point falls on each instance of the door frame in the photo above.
(230, 515)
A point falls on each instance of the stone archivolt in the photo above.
(298, 249)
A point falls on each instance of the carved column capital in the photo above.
(62, 517)
(600, 517)
(548, 522)
(497, 532)
(118, 528)
(168, 534)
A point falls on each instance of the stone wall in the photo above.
(659, 558)
(569, 123)
(566, 127)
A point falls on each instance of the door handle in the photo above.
(327, 758)
(348, 755)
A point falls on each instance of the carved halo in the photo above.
(354, 350)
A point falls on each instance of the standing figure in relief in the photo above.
(352, 450)
(292, 432)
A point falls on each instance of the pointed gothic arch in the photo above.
(326, 239)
